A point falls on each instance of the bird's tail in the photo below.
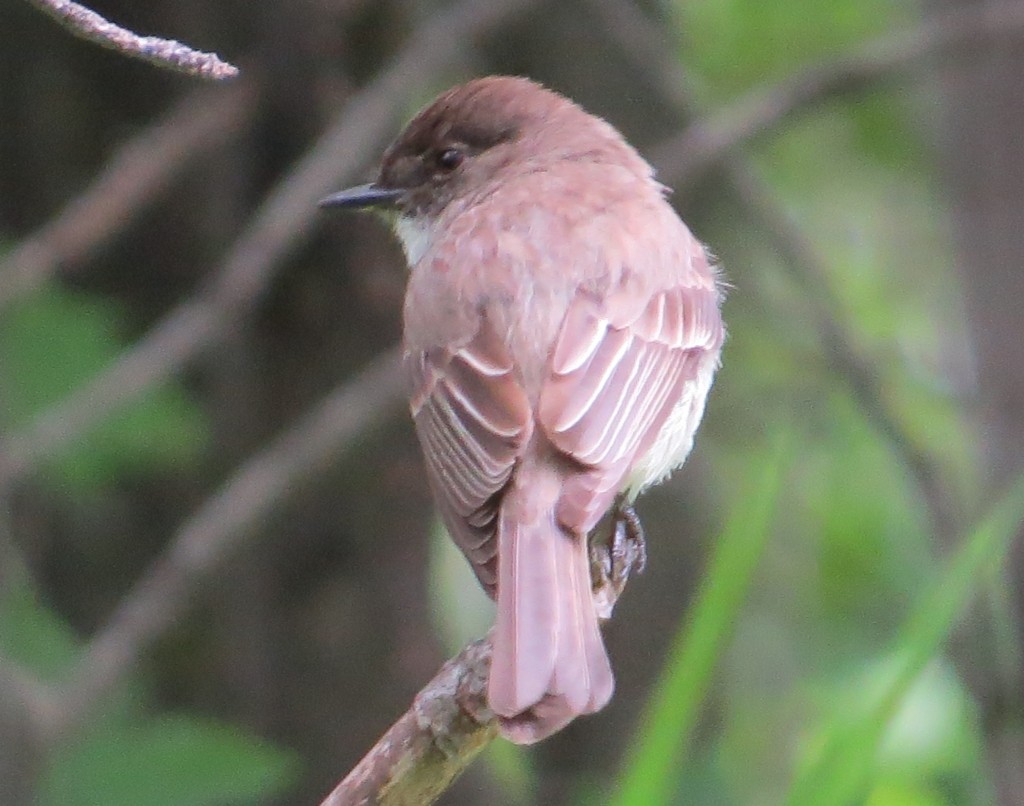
(549, 663)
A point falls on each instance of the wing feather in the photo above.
(473, 419)
(591, 378)
(617, 372)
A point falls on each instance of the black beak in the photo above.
(361, 197)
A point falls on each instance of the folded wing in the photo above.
(473, 420)
(617, 372)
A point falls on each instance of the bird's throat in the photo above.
(416, 234)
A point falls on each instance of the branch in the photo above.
(87, 24)
(449, 721)
(284, 219)
(32, 699)
(698, 147)
(448, 724)
(23, 710)
(219, 526)
(136, 174)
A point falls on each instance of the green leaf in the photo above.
(171, 761)
(124, 758)
(652, 768)
(733, 44)
(903, 795)
(31, 634)
(843, 762)
(54, 342)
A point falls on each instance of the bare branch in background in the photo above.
(448, 724)
(219, 526)
(284, 219)
(35, 700)
(87, 24)
(133, 178)
(22, 756)
(690, 153)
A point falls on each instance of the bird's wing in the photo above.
(473, 419)
(618, 369)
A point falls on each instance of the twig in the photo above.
(161, 595)
(87, 24)
(23, 709)
(690, 153)
(135, 175)
(34, 700)
(448, 724)
(279, 225)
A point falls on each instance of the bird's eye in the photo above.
(450, 159)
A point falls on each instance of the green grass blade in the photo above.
(652, 767)
(842, 768)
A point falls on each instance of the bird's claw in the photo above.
(611, 563)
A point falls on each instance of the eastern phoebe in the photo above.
(562, 330)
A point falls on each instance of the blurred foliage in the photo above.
(733, 44)
(167, 761)
(652, 771)
(894, 720)
(127, 755)
(899, 731)
(55, 340)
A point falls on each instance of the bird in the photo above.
(561, 331)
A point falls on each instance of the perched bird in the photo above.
(561, 332)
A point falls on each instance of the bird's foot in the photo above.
(612, 563)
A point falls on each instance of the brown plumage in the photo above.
(562, 330)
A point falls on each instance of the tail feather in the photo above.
(549, 663)
(524, 646)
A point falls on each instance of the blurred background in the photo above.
(220, 575)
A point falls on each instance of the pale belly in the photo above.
(675, 441)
